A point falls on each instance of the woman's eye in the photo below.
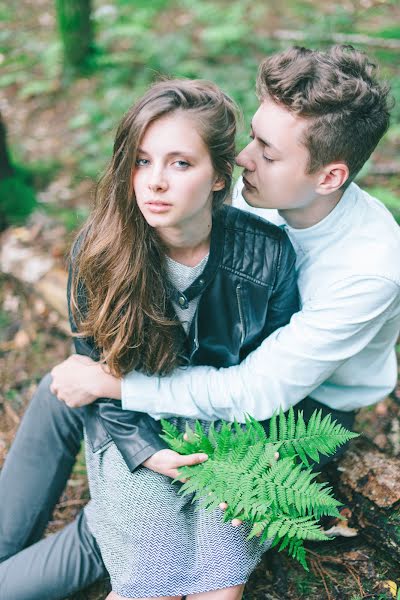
(182, 164)
(267, 159)
(141, 162)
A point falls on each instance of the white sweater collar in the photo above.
(340, 218)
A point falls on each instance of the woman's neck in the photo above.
(188, 245)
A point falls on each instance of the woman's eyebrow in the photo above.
(171, 154)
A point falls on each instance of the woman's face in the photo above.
(173, 178)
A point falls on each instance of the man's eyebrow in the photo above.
(265, 142)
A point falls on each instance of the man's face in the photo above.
(275, 162)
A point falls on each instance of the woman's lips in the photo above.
(157, 206)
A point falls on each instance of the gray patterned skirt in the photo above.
(153, 541)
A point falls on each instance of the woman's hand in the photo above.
(79, 380)
(167, 462)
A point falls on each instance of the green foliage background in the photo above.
(223, 40)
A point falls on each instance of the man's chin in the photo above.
(246, 194)
(251, 198)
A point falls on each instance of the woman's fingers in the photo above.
(190, 459)
(168, 462)
(236, 522)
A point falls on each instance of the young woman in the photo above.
(165, 275)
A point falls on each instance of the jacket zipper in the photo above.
(238, 288)
(196, 335)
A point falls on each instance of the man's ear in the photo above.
(218, 185)
(332, 177)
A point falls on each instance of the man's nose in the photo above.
(157, 181)
(245, 160)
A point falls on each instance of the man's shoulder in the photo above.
(377, 238)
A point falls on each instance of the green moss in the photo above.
(17, 200)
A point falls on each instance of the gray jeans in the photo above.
(33, 477)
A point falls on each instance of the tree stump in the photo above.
(368, 481)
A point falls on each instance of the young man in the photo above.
(321, 115)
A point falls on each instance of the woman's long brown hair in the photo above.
(119, 260)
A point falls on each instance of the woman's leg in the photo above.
(231, 593)
(114, 596)
(34, 475)
(36, 469)
(55, 567)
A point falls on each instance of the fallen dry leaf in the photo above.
(391, 586)
(381, 409)
(341, 530)
(11, 303)
(21, 340)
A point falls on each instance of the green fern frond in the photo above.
(170, 431)
(290, 485)
(319, 436)
(266, 480)
(301, 528)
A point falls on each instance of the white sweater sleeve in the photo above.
(292, 362)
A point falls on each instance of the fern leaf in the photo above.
(169, 429)
(291, 425)
(273, 429)
(320, 436)
(279, 498)
(282, 426)
(303, 528)
(255, 428)
(290, 486)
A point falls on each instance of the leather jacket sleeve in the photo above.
(135, 434)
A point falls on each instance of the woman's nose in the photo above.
(157, 181)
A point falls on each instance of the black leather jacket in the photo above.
(248, 289)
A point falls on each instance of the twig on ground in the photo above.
(337, 561)
(319, 571)
(10, 412)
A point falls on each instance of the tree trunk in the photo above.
(76, 31)
(6, 168)
(368, 481)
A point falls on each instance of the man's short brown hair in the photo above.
(338, 91)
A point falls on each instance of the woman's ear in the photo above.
(219, 184)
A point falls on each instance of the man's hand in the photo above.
(79, 380)
(167, 462)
